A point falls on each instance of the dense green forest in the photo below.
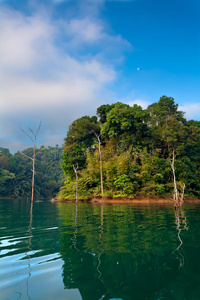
(123, 151)
(127, 151)
(16, 173)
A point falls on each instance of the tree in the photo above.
(76, 173)
(34, 155)
(102, 112)
(77, 142)
(126, 123)
(170, 128)
(139, 153)
(100, 158)
(164, 109)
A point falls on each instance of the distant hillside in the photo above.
(16, 173)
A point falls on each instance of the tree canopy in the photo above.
(145, 152)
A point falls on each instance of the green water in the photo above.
(94, 251)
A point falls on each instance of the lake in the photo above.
(99, 251)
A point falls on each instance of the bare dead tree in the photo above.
(100, 158)
(178, 199)
(75, 168)
(33, 138)
(176, 194)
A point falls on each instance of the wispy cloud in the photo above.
(46, 75)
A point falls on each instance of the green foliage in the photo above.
(78, 141)
(137, 148)
(16, 174)
(103, 111)
(126, 122)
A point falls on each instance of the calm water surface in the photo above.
(96, 252)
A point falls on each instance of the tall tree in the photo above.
(77, 142)
(169, 125)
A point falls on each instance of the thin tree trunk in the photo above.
(100, 159)
(176, 196)
(34, 155)
(33, 175)
(76, 187)
(101, 168)
(76, 173)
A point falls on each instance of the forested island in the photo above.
(122, 152)
(129, 152)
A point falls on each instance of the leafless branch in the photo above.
(31, 130)
(34, 154)
(97, 135)
(39, 151)
(27, 156)
(38, 128)
(26, 134)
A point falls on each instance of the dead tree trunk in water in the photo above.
(178, 199)
(34, 155)
(176, 195)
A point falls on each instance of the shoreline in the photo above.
(143, 200)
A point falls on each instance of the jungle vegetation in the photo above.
(16, 172)
(127, 151)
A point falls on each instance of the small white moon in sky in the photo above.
(138, 69)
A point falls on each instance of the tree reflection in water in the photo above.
(125, 252)
(100, 244)
(74, 237)
(181, 224)
(29, 249)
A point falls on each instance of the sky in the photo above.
(61, 59)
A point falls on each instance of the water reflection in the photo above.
(74, 236)
(126, 252)
(100, 247)
(29, 249)
(29, 253)
(181, 224)
(95, 251)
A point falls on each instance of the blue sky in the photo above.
(61, 59)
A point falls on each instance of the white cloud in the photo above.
(144, 104)
(192, 111)
(85, 30)
(87, 33)
(41, 79)
(22, 38)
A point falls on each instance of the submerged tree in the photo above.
(33, 139)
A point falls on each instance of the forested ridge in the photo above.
(16, 173)
(127, 151)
